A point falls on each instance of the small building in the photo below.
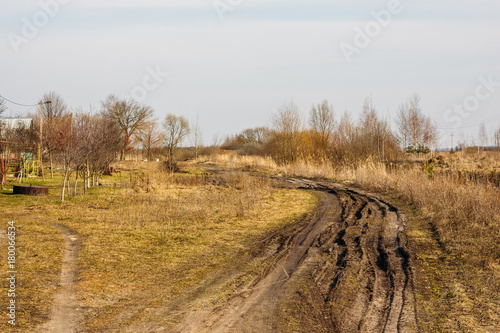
(15, 122)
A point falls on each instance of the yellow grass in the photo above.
(455, 228)
(148, 239)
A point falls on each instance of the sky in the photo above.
(233, 63)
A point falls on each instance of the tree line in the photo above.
(84, 143)
(345, 141)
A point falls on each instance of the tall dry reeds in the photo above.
(464, 218)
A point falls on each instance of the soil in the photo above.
(347, 269)
(65, 315)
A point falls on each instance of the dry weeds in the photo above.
(455, 228)
(149, 238)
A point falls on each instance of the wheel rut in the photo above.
(354, 258)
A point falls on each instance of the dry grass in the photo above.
(455, 229)
(38, 261)
(149, 238)
(302, 168)
(462, 251)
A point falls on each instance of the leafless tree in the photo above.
(196, 137)
(52, 113)
(66, 143)
(286, 139)
(3, 107)
(107, 140)
(496, 136)
(176, 128)
(403, 126)
(415, 128)
(21, 141)
(322, 122)
(89, 146)
(483, 136)
(346, 128)
(150, 137)
(129, 115)
(255, 135)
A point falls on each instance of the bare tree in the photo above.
(176, 128)
(3, 107)
(107, 141)
(415, 120)
(197, 135)
(346, 128)
(94, 143)
(496, 136)
(150, 137)
(483, 136)
(255, 135)
(415, 128)
(403, 126)
(52, 113)
(322, 122)
(21, 141)
(129, 115)
(67, 146)
(287, 125)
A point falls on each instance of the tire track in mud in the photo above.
(362, 271)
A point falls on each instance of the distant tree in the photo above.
(251, 141)
(52, 114)
(129, 115)
(483, 136)
(403, 125)
(106, 142)
(176, 128)
(3, 107)
(22, 142)
(374, 134)
(322, 122)
(87, 146)
(68, 148)
(496, 135)
(286, 137)
(415, 129)
(346, 128)
(196, 137)
(150, 137)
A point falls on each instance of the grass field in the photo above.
(453, 201)
(154, 242)
(149, 239)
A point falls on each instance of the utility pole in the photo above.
(41, 136)
(451, 141)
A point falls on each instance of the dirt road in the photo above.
(65, 316)
(348, 269)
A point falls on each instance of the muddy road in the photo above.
(347, 269)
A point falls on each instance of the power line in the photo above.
(23, 113)
(471, 124)
(8, 100)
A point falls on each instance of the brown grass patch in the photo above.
(149, 238)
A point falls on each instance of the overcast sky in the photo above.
(233, 62)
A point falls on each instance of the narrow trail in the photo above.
(354, 256)
(65, 316)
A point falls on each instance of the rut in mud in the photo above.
(353, 259)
